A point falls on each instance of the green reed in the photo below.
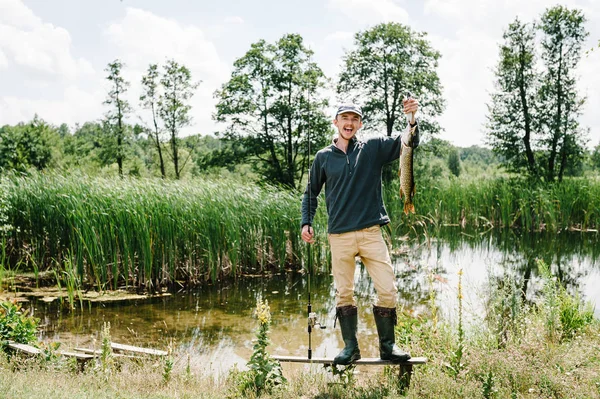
(150, 232)
(506, 203)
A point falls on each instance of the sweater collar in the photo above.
(351, 144)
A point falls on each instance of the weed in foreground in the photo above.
(264, 372)
(456, 356)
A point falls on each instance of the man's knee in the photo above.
(345, 298)
(387, 299)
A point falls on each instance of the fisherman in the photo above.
(350, 169)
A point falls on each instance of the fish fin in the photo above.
(414, 189)
(401, 193)
(409, 207)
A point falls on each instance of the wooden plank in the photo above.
(88, 351)
(28, 349)
(78, 356)
(33, 351)
(368, 361)
(138, 350)
(98, 352)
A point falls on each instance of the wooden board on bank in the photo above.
(372, 361)
(137, 350)
(33, 351)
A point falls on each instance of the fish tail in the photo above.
(409, 207)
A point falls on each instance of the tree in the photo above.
(532, 121)
(119, 108)
(271, 104)
(149, 100)
(27, 145)
(454, 162)
(595, 158)
(512, 114)
(173, 106)
(389, 61)
(564, 34)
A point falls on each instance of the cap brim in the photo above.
(349, 111)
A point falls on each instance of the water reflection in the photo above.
(212, 327)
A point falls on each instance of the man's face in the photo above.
(347, 123)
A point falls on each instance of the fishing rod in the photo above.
(312, 316)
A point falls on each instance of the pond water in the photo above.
(212, 327)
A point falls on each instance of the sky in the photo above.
(53, 54)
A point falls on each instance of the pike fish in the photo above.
(407, 179)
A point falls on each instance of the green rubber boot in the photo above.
(348, 317)
(386, 319)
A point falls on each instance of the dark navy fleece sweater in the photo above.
(352, 183)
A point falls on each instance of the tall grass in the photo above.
(149, 232)
(507, 203)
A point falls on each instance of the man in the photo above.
(350, 169)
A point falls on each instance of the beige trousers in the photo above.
(369, 245)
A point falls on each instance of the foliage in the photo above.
(16, 325)
(272, 106)
(149, 100)
(533, 118)
(454, 162)
(595, 157)
(564, 34)
(264, 373)
(27, 145)
(5, 227)
(119, 109)
(565, 315)
(513, 114)
(505, 310)
(389, 61)
(173, 106)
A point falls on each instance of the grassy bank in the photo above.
(546, 349)
(149, 233)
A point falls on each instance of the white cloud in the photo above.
(75, 105)
(370, 11)
(3, 60)
(27, 41)
(234, 20)
(37, 58)
(15, 13)
(142, 37)
(341, 36)
(466, 73)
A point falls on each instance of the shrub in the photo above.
(16, 325)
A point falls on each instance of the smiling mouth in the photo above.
(347, 130)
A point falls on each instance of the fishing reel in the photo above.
(312, 321)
